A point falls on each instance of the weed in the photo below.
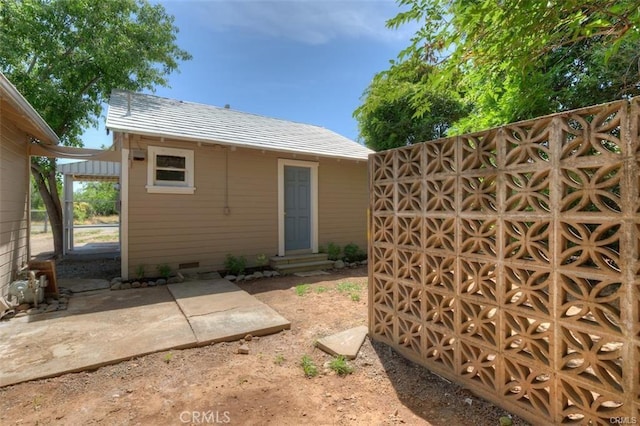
(302, 289)
(352, 289)
(235, 264)
(261, 259)
(140, 271)
(279, 360)
(37, 402)
(347, 287)
(340, 365)
(321, 289)
(164, 270)
(353, 253)
(333, 251)
(308, 366)
(168, 357)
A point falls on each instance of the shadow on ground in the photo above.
(411, 381)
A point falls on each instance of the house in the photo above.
(20, 124)
(200, 182)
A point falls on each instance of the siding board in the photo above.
(14, 194)
(168, 228)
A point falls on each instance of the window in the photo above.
(170, 171)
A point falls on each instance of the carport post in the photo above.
(67, 215)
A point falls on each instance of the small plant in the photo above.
(168, 357)
(261, 259)
(140, 271)
(321, 289)
(333, 251)
(279, 360)
(352, 289)
(347, 287)
(235, 264)
(308, 366)
(302, 289)
(353, 253)
(164, 270)
(37, 402)
(340, 365)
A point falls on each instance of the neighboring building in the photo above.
(19, 125)
(199, 182)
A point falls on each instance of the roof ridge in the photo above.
(180, 101)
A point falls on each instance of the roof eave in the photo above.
(227, 143)
(31, 114)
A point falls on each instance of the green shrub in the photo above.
(333, 251)
(235, 265)
(353, 253)
(81, 211)
(164, 270)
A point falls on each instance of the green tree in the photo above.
(66, 56)
(515, 59)
(388, 117)
(101, 196)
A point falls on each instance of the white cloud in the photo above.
(307, 21)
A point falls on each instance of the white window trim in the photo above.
(187, 188)
(313, 166)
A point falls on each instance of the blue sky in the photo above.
(299, 60)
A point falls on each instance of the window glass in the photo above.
(171, 161)
(172, 175)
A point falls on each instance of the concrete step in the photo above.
(297, 258)
(292, 268)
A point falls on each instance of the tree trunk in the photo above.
(48, 189)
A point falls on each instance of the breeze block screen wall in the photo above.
(507, 261)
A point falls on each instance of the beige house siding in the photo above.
(14, 200)
(343, 200)
(179, 229)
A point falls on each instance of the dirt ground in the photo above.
(215, 384)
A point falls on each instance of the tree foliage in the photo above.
(388, 117)
(511, 60)
(66, 56)
(102, 197)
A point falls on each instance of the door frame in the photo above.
(313, 167)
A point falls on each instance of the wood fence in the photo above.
(508, 261)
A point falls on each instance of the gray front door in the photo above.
(297, 208)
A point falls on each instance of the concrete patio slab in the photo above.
(95, 330)
(220, 311)
(346, 343)
(106, 327)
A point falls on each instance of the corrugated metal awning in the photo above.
(91, 170)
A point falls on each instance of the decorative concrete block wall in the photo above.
(507, 261)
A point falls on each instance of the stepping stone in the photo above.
(346, 343)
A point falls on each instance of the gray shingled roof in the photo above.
(157, 116)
